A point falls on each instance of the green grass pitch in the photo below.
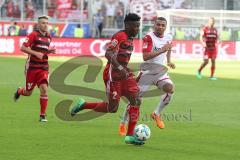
(208, 129)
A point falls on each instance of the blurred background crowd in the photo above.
(101, 18)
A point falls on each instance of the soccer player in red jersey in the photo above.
(156, 50)
(208, 38)
(118, 78)
(37, 46)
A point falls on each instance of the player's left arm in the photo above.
(52, 48)
(169, 62)
(217, 39)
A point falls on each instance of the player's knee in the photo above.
(43, 90)
(113, 108)
(168, 88)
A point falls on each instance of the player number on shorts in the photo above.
(29, 85)
(114, 95)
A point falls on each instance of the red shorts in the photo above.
(210, 54)
(116, 89)
(36, 77)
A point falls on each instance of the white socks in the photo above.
(164, 101)
(125, 116)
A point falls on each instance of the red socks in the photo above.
(97, 106)
(43, 104)
(21, 91)
(133, 118)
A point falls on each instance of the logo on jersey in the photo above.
(156, 49)
(145, 45)
(114, 43)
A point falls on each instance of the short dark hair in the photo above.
(161, 19)
(43, 17)
(131, 17)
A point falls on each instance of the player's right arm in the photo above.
(28, 43)
(147, 48)
(111, 55)
(202, 39)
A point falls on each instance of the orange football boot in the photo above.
(158, 121)
(122, 129)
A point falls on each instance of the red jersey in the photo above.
(40, 43)
(123, 47)
(210, 36)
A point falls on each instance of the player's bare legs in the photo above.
(43, 101)
(213, 61)
(21, 91)
(203, 65)
(164, 101)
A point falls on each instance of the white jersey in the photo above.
(158, 43)
(153, 43)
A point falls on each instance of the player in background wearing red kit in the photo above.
(208, 38)
(118, 78)
(37, 47)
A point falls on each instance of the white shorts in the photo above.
(146, 80)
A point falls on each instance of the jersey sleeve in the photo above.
(29, 40)
(147, 44)
(115, 42)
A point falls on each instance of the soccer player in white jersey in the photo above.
(157, 56)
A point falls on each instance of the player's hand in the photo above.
(168, 46)
(39, 55)
(171, 65)
(52, 50)
(124, 73)
(204, 45)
